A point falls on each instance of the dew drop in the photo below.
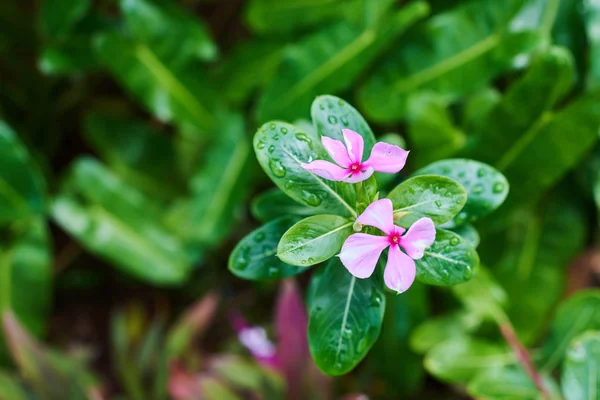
(498, 187)
(259, 237)
(271, 149)
(260, 145)
(277, 167)
(322, 107)
(311, 260)
(446, 170)
(477, 189)
(272, 126)
(332, 119)
(311, 198)
(341, 102)
(438, 203)
(275, 137)
(344, 121)
(304, 138)
(454, 241)
(462, 174)
(481, 172)
(284, 131)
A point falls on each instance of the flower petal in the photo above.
(360, 176)
(379, 214)
(337, 151)
(361, 252)
(419, 236)
(386, 157)
(355, 145)
(327, 170)
(399, 271)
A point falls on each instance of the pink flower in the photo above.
(350, 167)
(361, 251)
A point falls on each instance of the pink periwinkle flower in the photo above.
(350, 167)
(361, 251)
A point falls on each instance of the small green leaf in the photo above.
(461, 359)
(509, 383)
(314, 239)
(581, 368)
(21, 183)
(486, 187)
(432, 196)
(281, 150)
(576, 315)
(254, 257)
(449, 261)
(345, 318)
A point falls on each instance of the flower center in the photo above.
(394, 239)
(356, 167)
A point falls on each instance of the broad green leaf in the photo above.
(137, 153)
(314, 240)
(441, 328)
(592, 20)
(331, 114)
(486, 187)
(431, 196)
(482, 295)
(115, 222)
(255, 258)
(281, 149)
(57, 17)
(449, 261)
(277, 17)
(172, 92)
(579, 313)
(461, 359)
(21, 183)
(442, 52)
(345, 317)
(329, 61)
(545, 83)
(468, 232)
(509, 383)
(273, 203)
(403, 314)
(431, 130)
(581, 368)
(477, 107)
(167, 28)
(217, 188)
(250, 66)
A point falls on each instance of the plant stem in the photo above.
(5, 280)
(358, 193)
(523, 357)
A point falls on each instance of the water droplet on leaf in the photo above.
(332, 119)
(498, 187)
(277, 168)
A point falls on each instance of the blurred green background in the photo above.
(127, 175)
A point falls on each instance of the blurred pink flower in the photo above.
(361, 251)
(348, 157)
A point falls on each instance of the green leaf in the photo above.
(468, 232)
(482, 295)
(273, 203)
(486, 187)
(579, 313)
(249, 66)
(21, 183)
(581, 368)
(218, 187)
(115, 222)
(58, 17)
(137, 153)
(314, 240)
(255, 258)
(441, 328)
(431, 196)
(477, 107)
(331, 114)
(461, 359)
(345, 317)
(592, 19)
(547, 81)
(431, 129)
(446, 49)
(11, 388)
(277, 17)
(172, 92)
(281, 149)
(329, 61)
(449, 261)
(509, 383)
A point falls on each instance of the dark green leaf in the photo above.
(329, 61)
(57, 17)
(486, 187)
(431, 130)
(345, 317)
(432, 196)
(449, 261)
(255, 258)
(445, 50)
(461, 359)
(314, 240)
(592, 19)
(21, 184)
(578, 314)
(273, 203)
(117, 223)
(138, 154)
(281, 149)
(581, 368)
(509, 383)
